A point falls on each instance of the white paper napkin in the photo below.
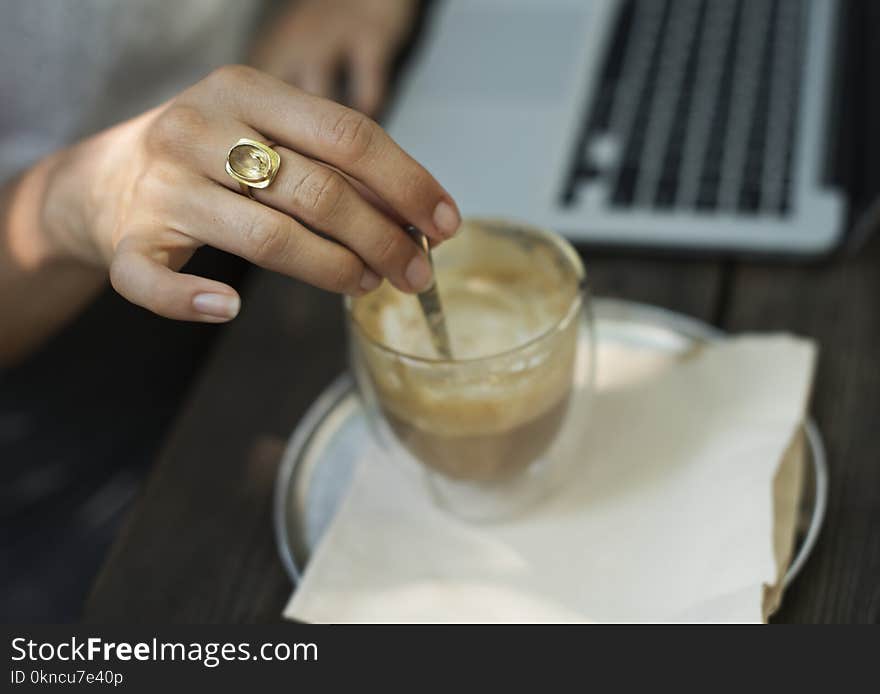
(682, 509)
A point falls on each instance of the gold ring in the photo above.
(252, 164)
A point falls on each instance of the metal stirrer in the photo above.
(429, 300)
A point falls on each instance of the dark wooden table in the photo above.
(199, 547)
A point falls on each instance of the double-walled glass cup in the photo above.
(488, 426)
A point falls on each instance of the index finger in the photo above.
(344, 138)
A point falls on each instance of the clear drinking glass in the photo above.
(492, 428)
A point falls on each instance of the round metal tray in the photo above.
(320, 456)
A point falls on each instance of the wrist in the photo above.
(64, 210)
(34, 209)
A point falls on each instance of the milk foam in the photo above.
(510, 298)
(482, 318)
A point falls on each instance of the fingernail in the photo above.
(370, 280)
(217, 305)
(418, 273)
(446, 218)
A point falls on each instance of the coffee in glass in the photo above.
(481, 422)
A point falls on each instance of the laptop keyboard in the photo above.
(696, 108)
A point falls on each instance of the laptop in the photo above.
(681, 124)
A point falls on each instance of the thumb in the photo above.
(144, 281)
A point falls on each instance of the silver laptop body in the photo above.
(692, 124)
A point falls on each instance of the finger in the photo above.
(374, 199)
(289, 71)
(143, 280)
(326, 200)
(273, 62)
(273, 240)
(382, 206)
(344, 138)
(318, 75)
(369, 74)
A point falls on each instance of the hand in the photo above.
(315, 40)
(142, 197)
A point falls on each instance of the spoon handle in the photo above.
(429, 300)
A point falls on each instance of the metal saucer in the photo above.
(320, 456)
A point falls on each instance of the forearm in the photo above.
(41, 287)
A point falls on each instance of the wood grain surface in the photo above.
(198, 546)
